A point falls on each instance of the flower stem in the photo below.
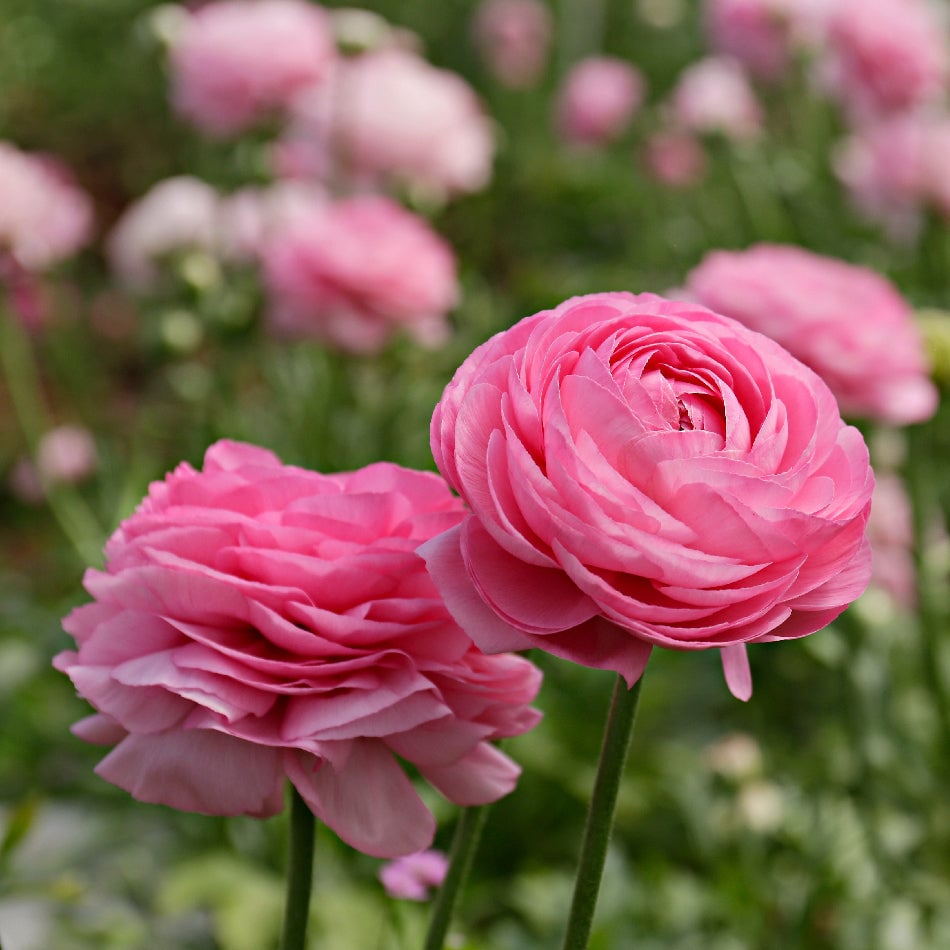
(464, 845)
(299, 874)
(590, 868)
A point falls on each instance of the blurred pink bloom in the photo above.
(675, 158)
(44, 216)
(714, 95)
(646, 473)
(66, 454)
(891, 532)
(411, 877)
(598, 99)
(763, 34)
(885, 55)
(175, 215)
(514, 38)
(846, 322)
(234, 62)
(389, 117)
(355, 272)
(258, 622)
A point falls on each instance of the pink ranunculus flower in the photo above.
(414, 875)
(44, 216)
(643, 472)
(713, 95)
(513, 38)
(884, 56)
(234, 62)
(66, 454)
(598, 99)
(891, 533)
(258, 622)
(674, 157)
(848, 323)
(355, 272)
(174, 216)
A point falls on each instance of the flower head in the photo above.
(599, 97)
(411, 877)
(257, 622)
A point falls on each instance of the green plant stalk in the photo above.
(299, 874)
(600, 817)
(19, 370)
(461, 854)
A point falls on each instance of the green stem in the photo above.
(299, 874)
(600, 818)
(464, 845)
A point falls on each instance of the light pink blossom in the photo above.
(598, 99)
(514, 38)
(44, 216)
(174, 216)
(884, 56)
(641, 473)
(257, 622)
(675, 158)
(235, 62)
(714, 95)
(846, 322)
(411, 877)
(66, 454)
(891, 532)
(355, 272)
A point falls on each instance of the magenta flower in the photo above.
(411, 877)
(257, 622)
(641, 473)
(849, 324)
(235, 62)
(598, 99)
(355, 272)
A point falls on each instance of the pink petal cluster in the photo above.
(514, 37)
(257, 622)
(848, 323)
(389, 117)
(891, 532)
(885, 55)
(356, 271)
(598, 99)
(713, 95)
(411, 877)
(675, 158)
(44, 216)
(235, 62)
(641, 473)
(174, 216)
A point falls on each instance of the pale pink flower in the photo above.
(258, 622)
(714, 95)
(174, 216)
(675, 158)
(388, 117)
(44, 216)
(644, 472)
(598, 99)
(884, 55)
(66, 454)
(355, 272)
(235, 62)
(514, 38)
(891, 532)
(763, 35)
(411, 877)
(848, 323)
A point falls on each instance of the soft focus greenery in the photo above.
(815, 816)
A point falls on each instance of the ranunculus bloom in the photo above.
(599, 97)
(257, 622)
(387, 116)
(356, 272)
(66, 454)
(44, 216)
(713, 95)
(411, 877)
(513, 37)
(643, 472)
(848, 323)
(675, 158)
(885, 56)
(234, 62)
(176, 215)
